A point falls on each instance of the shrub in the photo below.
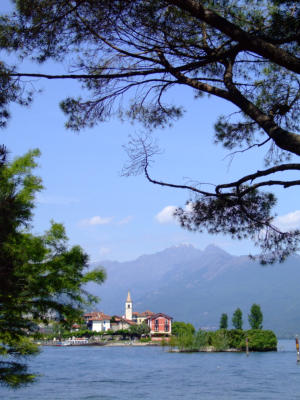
(179, 328)
(145, 340)
(201, 339)
(219, 340)
(236, 339)
(262, 340)
(222, 339)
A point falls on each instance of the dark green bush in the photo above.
(236, 339)
(222, 339)
(180, 328)
(145, 339)
(262, 340)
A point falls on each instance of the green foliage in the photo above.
(39, 275)
(179, 328)
(186, 342)
(125, 333)
(237, 319)
(255, 317)
(145, 339)
(236, 339)
(139, 330)
(262, 340)
(219, 340)
(130, 54)
(201, 339)
(222, 340)
(224, 321)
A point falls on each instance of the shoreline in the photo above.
(102, 344)
(209, 349)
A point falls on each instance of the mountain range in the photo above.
(197, 286)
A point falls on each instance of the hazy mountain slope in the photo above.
(198, 286)
(138, 276)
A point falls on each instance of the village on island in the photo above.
(150, 328)
(158, 323)
(96, 327)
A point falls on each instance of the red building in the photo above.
(160, 323)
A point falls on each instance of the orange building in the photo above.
(160, 323)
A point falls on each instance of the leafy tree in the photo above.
(224, 321)
(255, 317)
(180, 328)
(128, 54)
(237, 319)
(186, 341)
(201, 339)
(123, 332)
(39, 275)
(139, 330)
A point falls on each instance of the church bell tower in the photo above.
(128, 307)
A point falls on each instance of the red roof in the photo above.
(128, 321)
(121, 319)
(96, 316)
(143, 314)
(159, 315)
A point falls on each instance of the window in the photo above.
(156, 325)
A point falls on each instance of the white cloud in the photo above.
(288, 221)
(166, 215)
(97, 220)
(104, 251)
(125, 220)
(189, 207)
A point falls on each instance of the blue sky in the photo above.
(119, 218)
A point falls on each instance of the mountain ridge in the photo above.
(198, 285)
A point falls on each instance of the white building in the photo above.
(97, 321)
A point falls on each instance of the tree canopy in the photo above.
(224, 321)
(139, 330)
(129, 54)
(255, 317)
(237, 319)
(182, 328)
(40, 275)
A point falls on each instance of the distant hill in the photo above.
(198, 286)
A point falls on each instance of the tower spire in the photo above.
(128, 307)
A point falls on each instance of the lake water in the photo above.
(150, 373)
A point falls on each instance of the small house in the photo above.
(160, 323)
(97, 321)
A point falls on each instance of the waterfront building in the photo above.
(117, 323)
(97, 321)
(160, 324)
(140, 317)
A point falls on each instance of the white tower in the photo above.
(128, 307)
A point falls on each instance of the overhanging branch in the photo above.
(247, 41)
